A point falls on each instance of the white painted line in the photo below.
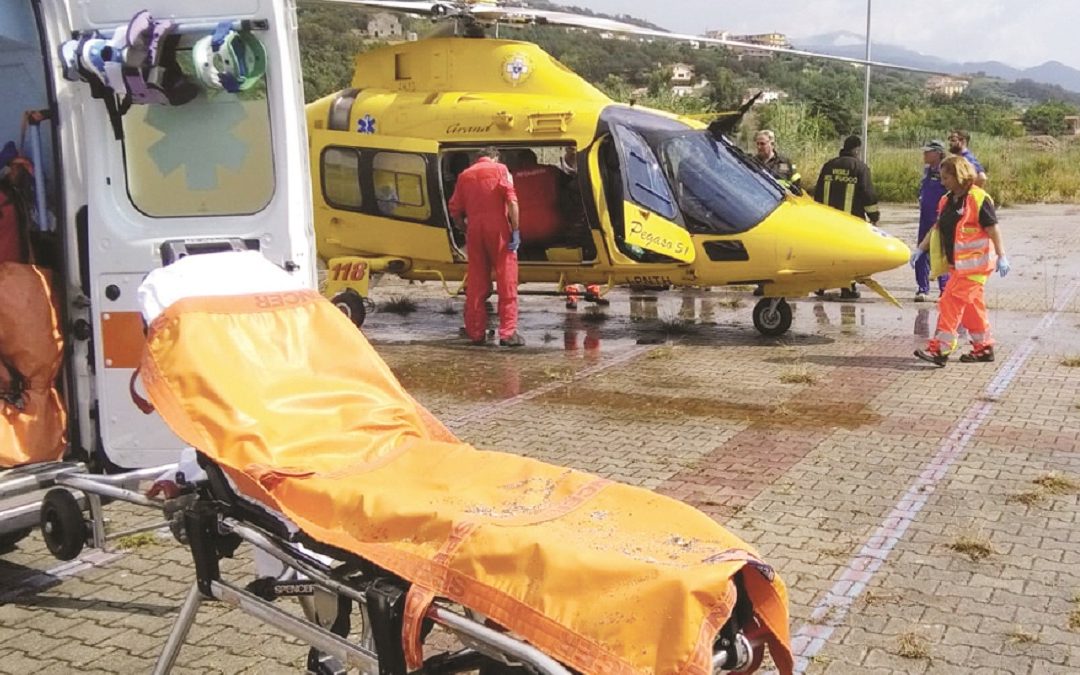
(831, 611)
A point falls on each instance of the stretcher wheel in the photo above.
(62, 524)
(352, 305)
(8, 540)
(772, 321)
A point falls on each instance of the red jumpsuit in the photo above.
(482, 194)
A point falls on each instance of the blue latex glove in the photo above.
(1003, 265)
(915, 255)
(515, 241)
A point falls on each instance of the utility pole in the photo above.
(866, 93)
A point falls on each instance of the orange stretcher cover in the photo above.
(297, 408)
(33, 424)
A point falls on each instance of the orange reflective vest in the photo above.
(972, 252)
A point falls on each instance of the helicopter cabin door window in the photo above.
(210, 156)
(341, 178)
(401, 189)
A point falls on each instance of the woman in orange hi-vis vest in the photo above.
(960, 245)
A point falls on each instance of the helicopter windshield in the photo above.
(717, 191)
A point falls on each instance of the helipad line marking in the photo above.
(480, 412)
(853, 580)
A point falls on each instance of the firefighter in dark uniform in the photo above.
(779, 166)
(844, 183)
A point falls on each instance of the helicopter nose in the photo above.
(890, 253)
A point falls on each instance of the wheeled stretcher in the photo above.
(315, 454)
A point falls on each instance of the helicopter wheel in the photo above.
(772, 316)
(62, 524)
(351, 305)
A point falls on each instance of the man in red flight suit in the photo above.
(485, 202)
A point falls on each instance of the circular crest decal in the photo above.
(516, 69)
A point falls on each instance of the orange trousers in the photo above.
(963, 303)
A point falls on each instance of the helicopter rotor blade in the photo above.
(490, 12)
(524, 15)
(418, 7)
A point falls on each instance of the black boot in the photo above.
(936, 358)
(982, 356)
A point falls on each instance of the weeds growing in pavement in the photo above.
(136, 541)
(976, 547)
(1029, 498)
(1020, 636)
(1071, 361)
(676, 326)
(798, 374)
(399, 304)
(1056, 484)
(912, 646)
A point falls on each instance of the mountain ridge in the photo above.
(845, 43)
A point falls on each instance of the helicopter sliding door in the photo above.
(649, 213)
(379, 195)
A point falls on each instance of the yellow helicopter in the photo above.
(648, 199)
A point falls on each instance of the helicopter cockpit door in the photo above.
(649, 209)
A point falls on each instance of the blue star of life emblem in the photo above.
(366, 124)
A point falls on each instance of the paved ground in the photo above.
(926, 521)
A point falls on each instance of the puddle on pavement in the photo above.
(789, 414)
(482, 375)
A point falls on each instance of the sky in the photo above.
(1020, 33)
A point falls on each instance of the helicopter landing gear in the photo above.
(772, 316)
(351, 305)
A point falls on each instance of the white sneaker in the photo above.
(920, 297)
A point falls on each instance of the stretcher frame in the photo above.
(212, 531)
(90, 492)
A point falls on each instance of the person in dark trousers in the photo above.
(485, 206)
(845, 184)
(930, 193)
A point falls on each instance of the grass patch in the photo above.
(1022, 637)
(729, 303)
(136, 541)
(912, 646)
(1056, 484)
(1071, 361)
(977, 548)
(1029, 498)
(661, 353)
(1074, 620)
(676, 326)
(400, 304)
(448, 309)
(798, 374)
(593, 315)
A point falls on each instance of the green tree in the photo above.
(1048, 118)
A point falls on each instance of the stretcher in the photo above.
(310, 450)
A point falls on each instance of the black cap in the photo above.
(934, 146)
(852, 142)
